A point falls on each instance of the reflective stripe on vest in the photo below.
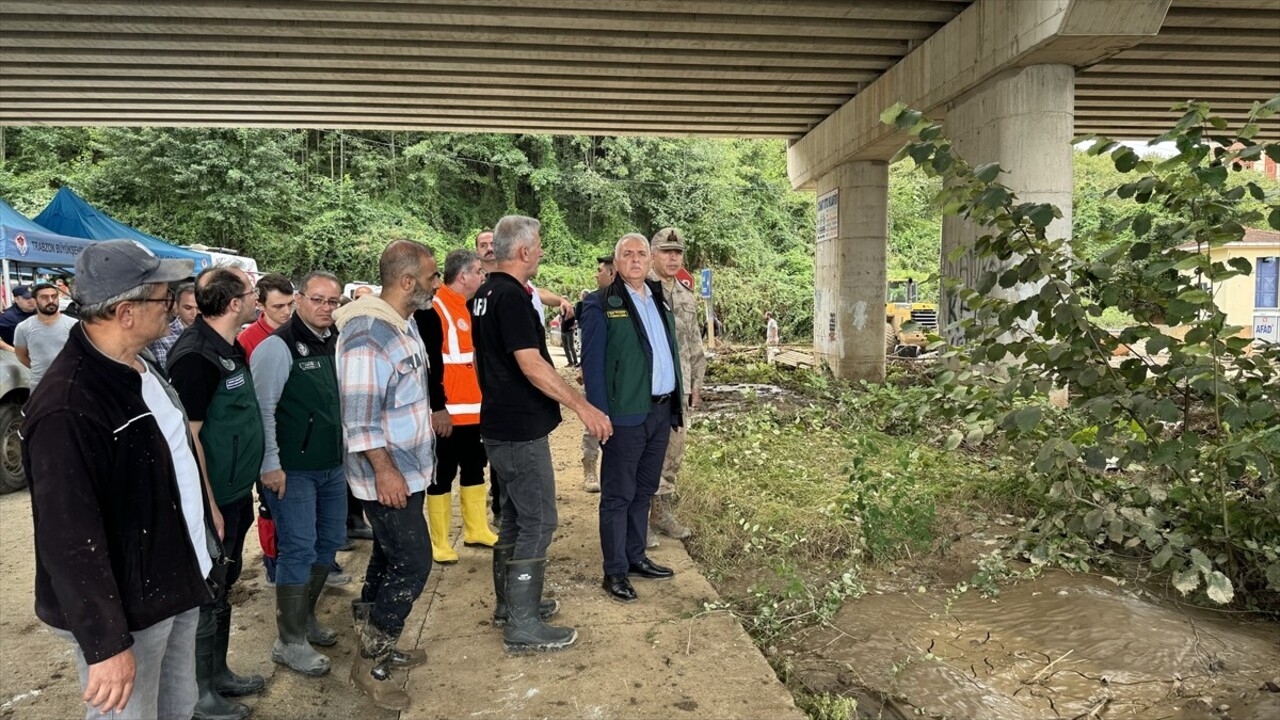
(459, 371)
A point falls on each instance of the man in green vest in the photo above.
(631, 365)
(207, 368)
(296, 381)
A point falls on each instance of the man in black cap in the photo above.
(23, 307)
(108, 455)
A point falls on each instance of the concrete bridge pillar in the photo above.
(1023, 118)
(849, 274)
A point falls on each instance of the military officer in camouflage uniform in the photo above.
(668, 259)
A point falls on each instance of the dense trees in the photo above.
(300, 199)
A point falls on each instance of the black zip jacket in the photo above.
(113, 554)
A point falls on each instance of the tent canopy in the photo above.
(68, 213)
(25, 241)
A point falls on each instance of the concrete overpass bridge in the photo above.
(1015, 80)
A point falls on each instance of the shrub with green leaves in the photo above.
(1170, 453)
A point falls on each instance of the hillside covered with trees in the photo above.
(303, 199)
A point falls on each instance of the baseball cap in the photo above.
(22, 291)
(668, 239)
(111, 267)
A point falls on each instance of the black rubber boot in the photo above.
(525, 630)
(501, 554)
(318, 634)
(227, 683)
(210, 704)
(291, 648)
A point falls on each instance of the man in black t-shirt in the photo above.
(522, 394)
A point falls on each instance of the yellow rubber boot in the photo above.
(475, 528)
(438, 511)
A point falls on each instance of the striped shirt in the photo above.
(382, 380)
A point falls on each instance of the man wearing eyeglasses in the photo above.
(382, 381)
(125, 551)
(207, 367)
(296, 382)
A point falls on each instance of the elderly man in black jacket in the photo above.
(124, 552)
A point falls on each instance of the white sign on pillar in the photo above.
(829, 216)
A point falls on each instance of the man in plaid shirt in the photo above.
(382, 381)
(184, 314)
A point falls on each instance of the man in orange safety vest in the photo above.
(458, 445)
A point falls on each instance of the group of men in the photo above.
(152, 455)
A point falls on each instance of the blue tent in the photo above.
(69, 214)
(27, 242)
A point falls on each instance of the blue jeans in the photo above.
(528, 494)
(311, 522)
(630, 469)
(164, 684)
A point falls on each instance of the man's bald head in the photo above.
(401, 258)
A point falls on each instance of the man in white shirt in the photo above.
(107, 453)
(38, 339)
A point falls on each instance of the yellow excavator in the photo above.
(907, 320)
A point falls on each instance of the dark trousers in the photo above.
(630, 469)
(570, 352)
(355, 509)
(400, 563)
(237, 518)
(462, 450)
(528, 493)
(495, 493)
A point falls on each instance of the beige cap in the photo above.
(667, 239)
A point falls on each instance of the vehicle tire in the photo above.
(890, 339)
(12, 475)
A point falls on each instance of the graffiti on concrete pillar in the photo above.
(966, 271)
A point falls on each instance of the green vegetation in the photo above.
(1187, 425)
(297, 200)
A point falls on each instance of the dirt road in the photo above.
(665, 656)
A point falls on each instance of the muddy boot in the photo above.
(525, 630)
(438, 512)
(227, 683)
(210, 704)
(501, 554)
(318, 634)
(371, 672)
(590, 482)
(663, 517)
(398, 659)
(475, 526)
(291, 648)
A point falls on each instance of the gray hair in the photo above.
(458, 261)
(627, 238)
(317, 275)
(106, 310)
(512, 233)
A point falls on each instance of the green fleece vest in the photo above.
(308, 416)
(628, 365)
(231, 435)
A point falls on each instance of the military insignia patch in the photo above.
(303, 350)
(615, 301)
(228, 363)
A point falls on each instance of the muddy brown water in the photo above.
(1062, 646)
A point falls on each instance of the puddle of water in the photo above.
(1060, 647)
